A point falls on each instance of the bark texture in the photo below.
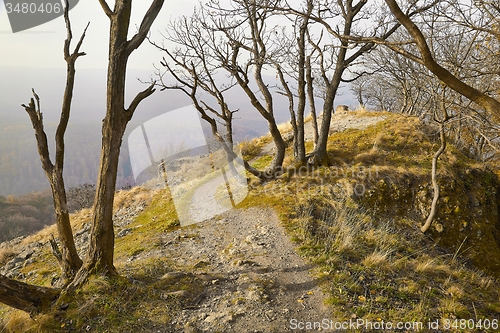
(26, 297)
(100, 256)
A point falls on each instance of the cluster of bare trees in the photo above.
(444, 68)
(242, 44)
(461, 39)
(438, 61)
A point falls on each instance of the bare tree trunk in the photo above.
(69, 260)
(25, 297)
(268, 114)
(301, 82)
(312, 103)
(319, 154)
(435, 185)
(291, 109)
(100, 256)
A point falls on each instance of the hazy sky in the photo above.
(42, 46)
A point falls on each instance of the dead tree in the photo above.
(100, 256)
(194, 67)
(295, 64)
(68, 257)
(250, 41)
(441, 120)
(235, 41)
(352, 41)
(26, 297)
(19, 295)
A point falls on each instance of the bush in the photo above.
(80, 197)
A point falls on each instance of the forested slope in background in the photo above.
(20, 167)
(25, 214)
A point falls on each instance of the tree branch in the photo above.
(106, 8)
(139, 98)
(146, 23)
(26, 297)
(36, 118)
(70, 83)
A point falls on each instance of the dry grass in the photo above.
(250, 149)
(378, 259)
(17, 321)
(123, 199)
(41, 236)
(456, 291)
(372, 266)
(388, 267)
(451, 306)
(285, 127)
(6, 254)
(131, 197)
(431, 266)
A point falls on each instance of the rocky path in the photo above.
(204, 203)
(256, 281)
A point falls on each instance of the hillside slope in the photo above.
(355, 224)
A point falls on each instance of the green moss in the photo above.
(158, 217)
(262, 162)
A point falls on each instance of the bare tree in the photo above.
(250, 42)
(68, 257)
(295, 63)
(99, 260)
(345, 23)
(459, 36)
(34, 299)
(233, 41)
(426, 57)
(195, 68)
(100, 255)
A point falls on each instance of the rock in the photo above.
(124, 232)
(13, 273)
(257, 294)
(219, 318)
(182, 294)
(173, 275)
(341, 109)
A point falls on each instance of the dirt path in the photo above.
(255, 280)
(204, 203)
